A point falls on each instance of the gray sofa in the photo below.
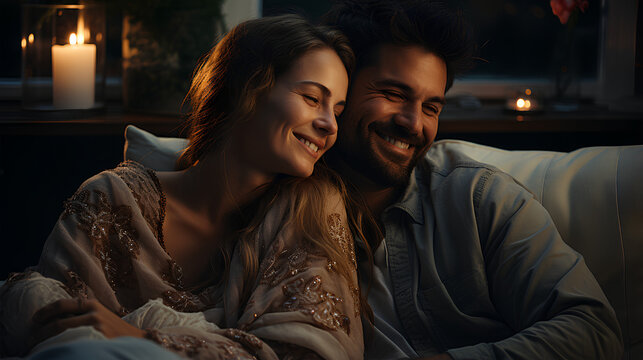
(594, 195)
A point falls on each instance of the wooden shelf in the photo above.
(491, 118)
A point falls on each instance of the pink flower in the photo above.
(564, 8)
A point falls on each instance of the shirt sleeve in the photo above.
(540, 286)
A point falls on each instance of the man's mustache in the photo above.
(400, 133)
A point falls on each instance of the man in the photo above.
(471, 265)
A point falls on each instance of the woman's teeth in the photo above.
(310, 145)
(398, 143)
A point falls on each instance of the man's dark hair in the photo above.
(369, 24)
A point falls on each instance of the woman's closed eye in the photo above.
(310, 99)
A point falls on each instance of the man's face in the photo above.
(391, 115)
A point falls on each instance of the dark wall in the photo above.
(37, 173)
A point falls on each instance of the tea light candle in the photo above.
(523, 102)
(74, 70)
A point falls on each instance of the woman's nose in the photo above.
(326, 123)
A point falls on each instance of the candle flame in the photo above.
(23, 43)
(72, 39)
(522, 104)
(31, 38)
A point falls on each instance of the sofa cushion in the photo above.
(595, 197)
(159, 153)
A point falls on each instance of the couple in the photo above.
(465, 263)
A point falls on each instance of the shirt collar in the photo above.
(410, 201)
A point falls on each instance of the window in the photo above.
(521, 42)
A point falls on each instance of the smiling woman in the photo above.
(240, 234)
(296, 122)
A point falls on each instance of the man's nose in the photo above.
(410, 117)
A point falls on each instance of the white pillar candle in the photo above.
(74, 70)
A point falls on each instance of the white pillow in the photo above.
(158, 153)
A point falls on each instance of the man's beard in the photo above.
(385, 174)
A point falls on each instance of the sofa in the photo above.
(594, 195)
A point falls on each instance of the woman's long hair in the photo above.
(225, 90)
(242, 68)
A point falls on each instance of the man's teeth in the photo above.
(398, 143)
(312, 146)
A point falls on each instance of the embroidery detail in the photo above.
(310, 298)
(249, 341)
(111, 231)
(233, 351)
(173, 275)
(183, 301)
(339, 233)
(75, 286)
(285, 264)
(186, 344)
(146, 189)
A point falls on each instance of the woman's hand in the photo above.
(69, 313)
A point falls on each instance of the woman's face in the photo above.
(295, 123)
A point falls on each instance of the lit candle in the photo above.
(74, 69)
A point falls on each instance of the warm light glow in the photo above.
(81, 38)
(72, 39)
(522, 104)
(527, 92)
(31, 38)
(23, 43)
(99, 37)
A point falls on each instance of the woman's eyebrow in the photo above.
(323, 88)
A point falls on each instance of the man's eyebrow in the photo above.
(321, 87)
(404, 87)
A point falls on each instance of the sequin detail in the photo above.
(310, 298)
(186, 344)
(146, 190)
(249, 341)
(338, 232)
(75, 286)
(111, 232)
(173, 274)
(287, 263)
(233, 351)
(183, 301)
(343, 237)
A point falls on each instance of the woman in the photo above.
(241, 253)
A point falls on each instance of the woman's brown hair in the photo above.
(242, 68)
(225, 89)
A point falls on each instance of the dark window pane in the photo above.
(10, 39)
(523, 38)
(519, 38)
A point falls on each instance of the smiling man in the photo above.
(468, 265)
